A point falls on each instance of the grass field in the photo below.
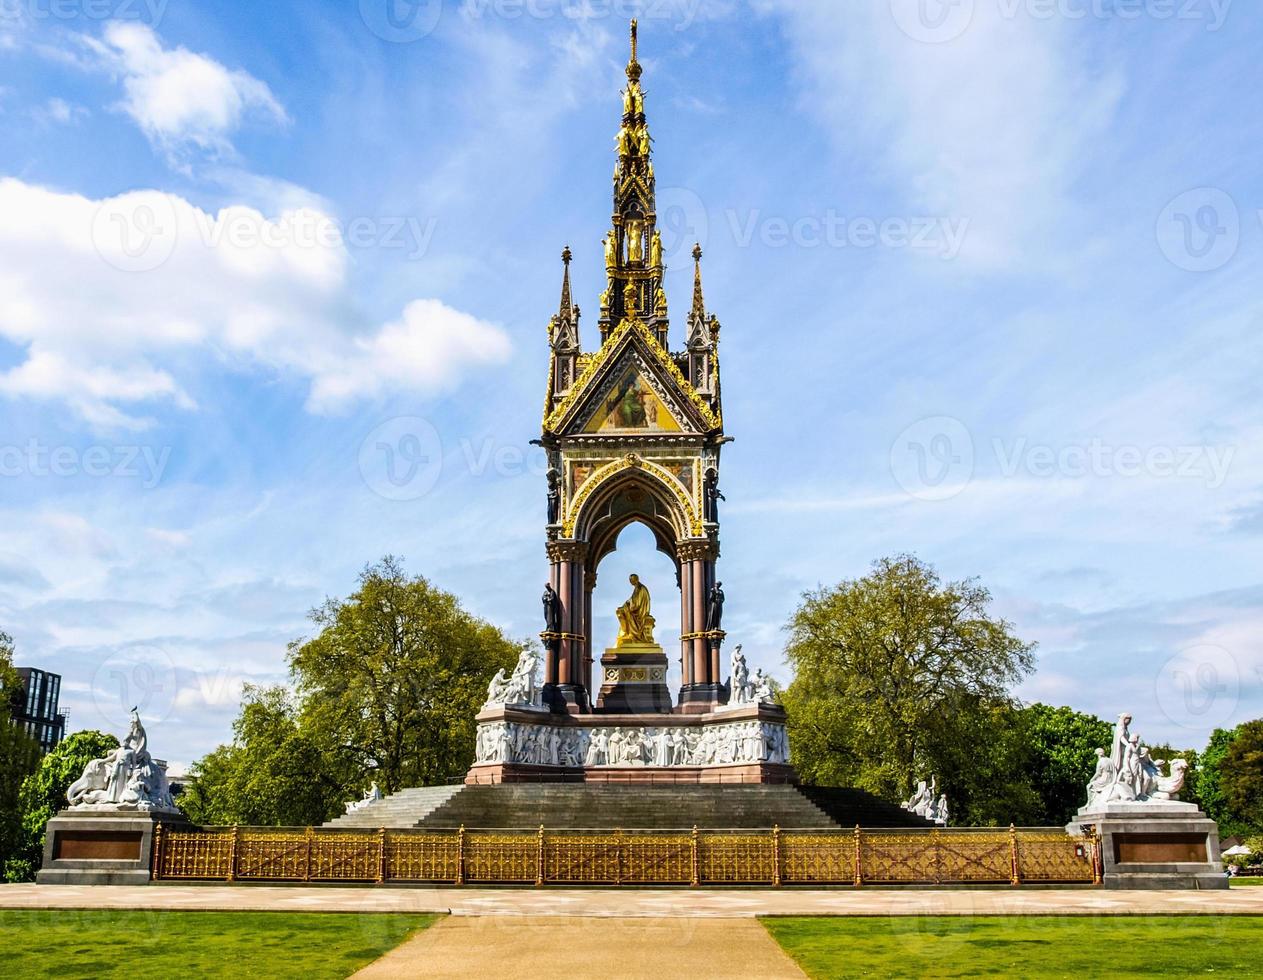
(312, 946)
(1054, 946)
(1246, 882)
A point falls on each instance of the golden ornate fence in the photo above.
(748, 857)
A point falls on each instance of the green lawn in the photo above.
(312, 946)
(1023, 946)
(1246, 882)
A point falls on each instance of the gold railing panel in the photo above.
(626, 857)
(195, 855)
(422, 857)
(820, 858)
(736, 859)
(1054, 857)
(502, 858)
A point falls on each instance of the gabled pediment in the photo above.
(631, 386)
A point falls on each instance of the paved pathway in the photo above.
(530, 946)
(635, 903)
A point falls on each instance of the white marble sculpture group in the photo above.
(927, 802)
(372, 796)
(1129, 774)
(714, 745)
(519, 689)
(127, 780)
(743, 689)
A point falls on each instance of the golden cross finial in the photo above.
(633, 66)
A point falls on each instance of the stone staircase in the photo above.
(595, 806)
(403, 809)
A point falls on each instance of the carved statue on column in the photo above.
(713, 496)
(635, 624)
(554, 496)
(552, 609)
(715, 607)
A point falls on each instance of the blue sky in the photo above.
(987, 272)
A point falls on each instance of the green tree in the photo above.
(1209, 785)
(273, 773)
(391, 684)
(19, 755)
(43, 793)
(898, 674)
(1061, 746)
(1241, 775)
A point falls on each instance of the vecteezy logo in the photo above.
(142, 677)
(933, 459)
(402, 459)
(933, 21)
(1200, 230)
(135, 232)
(401, 21)
(682, 222)
(1200, 687)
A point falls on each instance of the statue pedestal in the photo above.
(634, 680)
(102, 846)
(1160, 844)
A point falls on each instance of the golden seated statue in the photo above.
(635, 624)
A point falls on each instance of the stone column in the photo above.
(686, 624)
(589, 587)
(564, 684)
(701, 691)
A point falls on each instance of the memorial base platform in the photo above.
(1155, 845)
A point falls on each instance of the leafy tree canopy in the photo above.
(43, 793)
(386, 690)
(1241, 775)
(1061, 746)
(392, 682)
(900, 675)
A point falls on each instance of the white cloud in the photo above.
(107, 297)
(179, 98)
(993, 125)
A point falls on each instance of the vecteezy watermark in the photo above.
(1200, 230)
(1199, 688)
(682, 221)
(140, 232)
(145, 463)
(941, 21)
(935, 459)
(141, 677)
(403, 458)
(401, 21)
(1097, 458)
(681, 13)
(136, 232)
(149, 12)
(940, 235)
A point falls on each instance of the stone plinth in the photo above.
(1157, 844)
(102, 847)
(634, 680)
(747, 744)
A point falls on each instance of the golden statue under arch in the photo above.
(635, 624)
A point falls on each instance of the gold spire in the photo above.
(633, 66)
(699, 302)
(565, 282)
